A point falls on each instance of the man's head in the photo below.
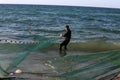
(67, 27)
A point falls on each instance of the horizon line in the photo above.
(57, 5)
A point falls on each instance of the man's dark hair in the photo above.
(67, 26)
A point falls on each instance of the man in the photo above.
(67, 36)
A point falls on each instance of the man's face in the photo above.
(65, 28)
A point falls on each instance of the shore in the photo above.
(36, 67)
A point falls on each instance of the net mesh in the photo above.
(70, 67)
(86, 67)
(12, 54)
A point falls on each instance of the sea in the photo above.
(34, 30)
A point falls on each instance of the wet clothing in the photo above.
(67, 36)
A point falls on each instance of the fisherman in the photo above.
(67, 37)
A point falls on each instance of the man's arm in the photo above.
(63, 35)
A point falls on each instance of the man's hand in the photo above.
(61, 35)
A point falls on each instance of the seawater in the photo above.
(87, 24)
(36, 28)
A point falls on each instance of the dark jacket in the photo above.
(67, 35)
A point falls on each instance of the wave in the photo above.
(81, 46)
(88, 46)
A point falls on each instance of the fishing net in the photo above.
(70, 67)
(87, 66)
(12, 53)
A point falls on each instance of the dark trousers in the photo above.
(64, 43)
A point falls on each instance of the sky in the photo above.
(92, 3)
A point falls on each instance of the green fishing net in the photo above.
(70, 67)
(13, 53)
(86, 66)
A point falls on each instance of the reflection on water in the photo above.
(62, 53)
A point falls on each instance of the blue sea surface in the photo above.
(87, 24)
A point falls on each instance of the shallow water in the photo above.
(51, 64)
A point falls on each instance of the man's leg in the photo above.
(66, 43)
(61, 45)
(65, 47)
